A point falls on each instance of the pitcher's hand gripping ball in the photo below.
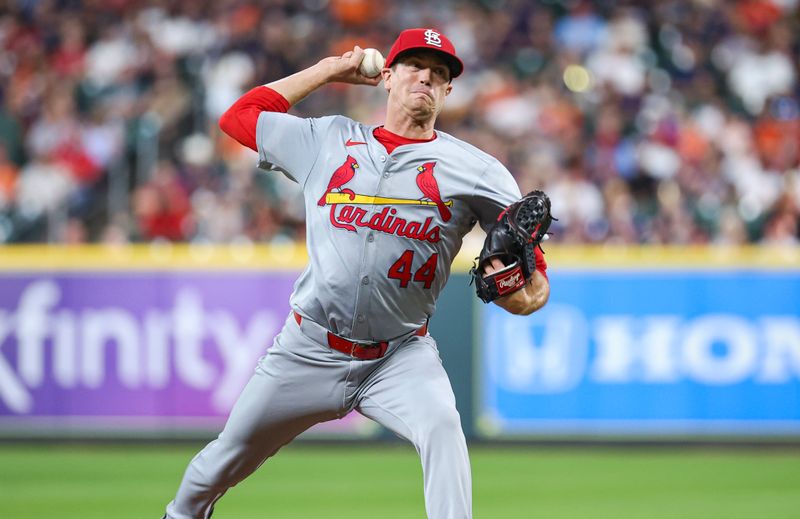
(372, 63)
(512, 239)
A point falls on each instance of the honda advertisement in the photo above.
(646, 353)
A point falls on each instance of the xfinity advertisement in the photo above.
(136, 351)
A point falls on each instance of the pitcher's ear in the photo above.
(387, 77)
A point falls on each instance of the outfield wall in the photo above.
(649, 343)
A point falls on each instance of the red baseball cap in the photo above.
(430, 39)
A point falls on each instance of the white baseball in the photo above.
(372, 64)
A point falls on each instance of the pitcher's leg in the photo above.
(411, 395)
(275, 406)
(251, 435)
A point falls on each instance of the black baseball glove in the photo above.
(512, 239)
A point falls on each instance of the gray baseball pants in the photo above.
(301, 382)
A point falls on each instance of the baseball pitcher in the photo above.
(387, 208)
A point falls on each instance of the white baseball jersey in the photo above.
(383, 229)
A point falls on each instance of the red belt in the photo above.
(360, 350)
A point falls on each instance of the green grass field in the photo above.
(307, 481)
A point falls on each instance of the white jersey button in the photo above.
(371, 238)
(365, 280)
(383, 158)
(360, 318)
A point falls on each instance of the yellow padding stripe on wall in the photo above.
(155, 256)
(293, 257)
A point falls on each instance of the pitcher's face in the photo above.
(418, 84)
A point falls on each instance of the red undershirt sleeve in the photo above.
(240, 120)
(541, 264)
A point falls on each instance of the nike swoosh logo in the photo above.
(351, 142)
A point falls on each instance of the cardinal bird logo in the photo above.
(341, 176)
(430, 188)
(347, 211)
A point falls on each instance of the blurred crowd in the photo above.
(674, 121)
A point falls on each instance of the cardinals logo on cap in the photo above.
(433, 38)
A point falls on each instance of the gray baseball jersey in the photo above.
(382, 233)
(383, 229)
